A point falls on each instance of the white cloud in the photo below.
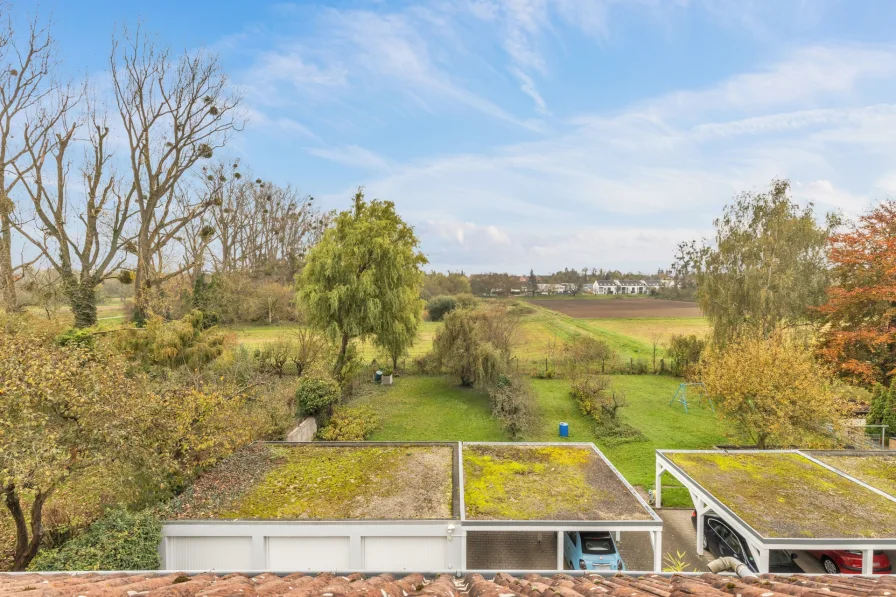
(823, 193)
(809, 76)
(471, 247)
(352, 155)
(359, 52)
(528, 87)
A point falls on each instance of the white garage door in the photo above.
(210, 553)
(417, 554)
(307, 553)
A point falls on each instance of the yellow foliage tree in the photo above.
(62, 410)
(771, 389)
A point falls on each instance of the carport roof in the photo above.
(547, 482)
(787, 495)
(877, 469)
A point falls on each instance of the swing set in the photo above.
(681, 395)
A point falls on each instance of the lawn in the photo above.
(645, 328)
(543, 333)
(432, 408)
(423, 408)
(253, 336)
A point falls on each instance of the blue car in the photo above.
(591, 550)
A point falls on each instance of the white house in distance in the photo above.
(605, 287)
(626, 286)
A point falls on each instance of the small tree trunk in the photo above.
(340, 360)
(141, 280)
(82, 299)
(7, 280)
(25, 550)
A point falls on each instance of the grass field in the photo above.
(545, 330)
(620, 306)
(644, 328)
(254, 336)
(428, 408)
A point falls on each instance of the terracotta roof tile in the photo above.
(416, 585)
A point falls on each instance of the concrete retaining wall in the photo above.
(304, 431)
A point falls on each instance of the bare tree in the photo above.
(174, 113)
(82, 241)
(262, 229)
(26, 79)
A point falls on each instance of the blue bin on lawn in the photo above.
(564, 430)
(378, 377)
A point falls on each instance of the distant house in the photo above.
(633, 287)
(653, 286)
(605, 287)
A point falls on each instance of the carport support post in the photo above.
(701, 508)
(761, 555)
(657, 551)
(560, 550)
(868, 561)
(658, 485)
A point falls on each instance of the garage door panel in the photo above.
(417, 554)
(210, 553)
(307, 553)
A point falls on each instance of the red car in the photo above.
(850, 562)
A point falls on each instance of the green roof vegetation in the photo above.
(876, 469)
(309, 482)
(531, 482)
(785, 495)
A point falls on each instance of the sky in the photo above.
(518, 134)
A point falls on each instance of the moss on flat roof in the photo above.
(308, 482)
(785, 495)
(877, 470)
(531, 482)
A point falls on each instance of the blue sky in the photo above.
(544, 133)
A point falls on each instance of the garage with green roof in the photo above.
(399, 506)
(785, 500)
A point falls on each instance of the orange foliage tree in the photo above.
(860, 338)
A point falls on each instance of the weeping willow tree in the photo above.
(363, 279)
(475, 345)
(767, 266)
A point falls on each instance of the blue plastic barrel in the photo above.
(378, 376)
(564, 430)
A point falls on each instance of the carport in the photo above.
(783, 500)
(512, 492)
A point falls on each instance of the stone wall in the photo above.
(304, 431)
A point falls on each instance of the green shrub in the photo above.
(440, 306)
(586, 354)
(513, 404)
(75, 337)
(599, 402)
(474, 345)
(119, 540)
(350, 425)
(427, 364)
(685, 352)
(883, 408)
(465, 300)
(521, 309)
(315, 397)
(546, 372)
